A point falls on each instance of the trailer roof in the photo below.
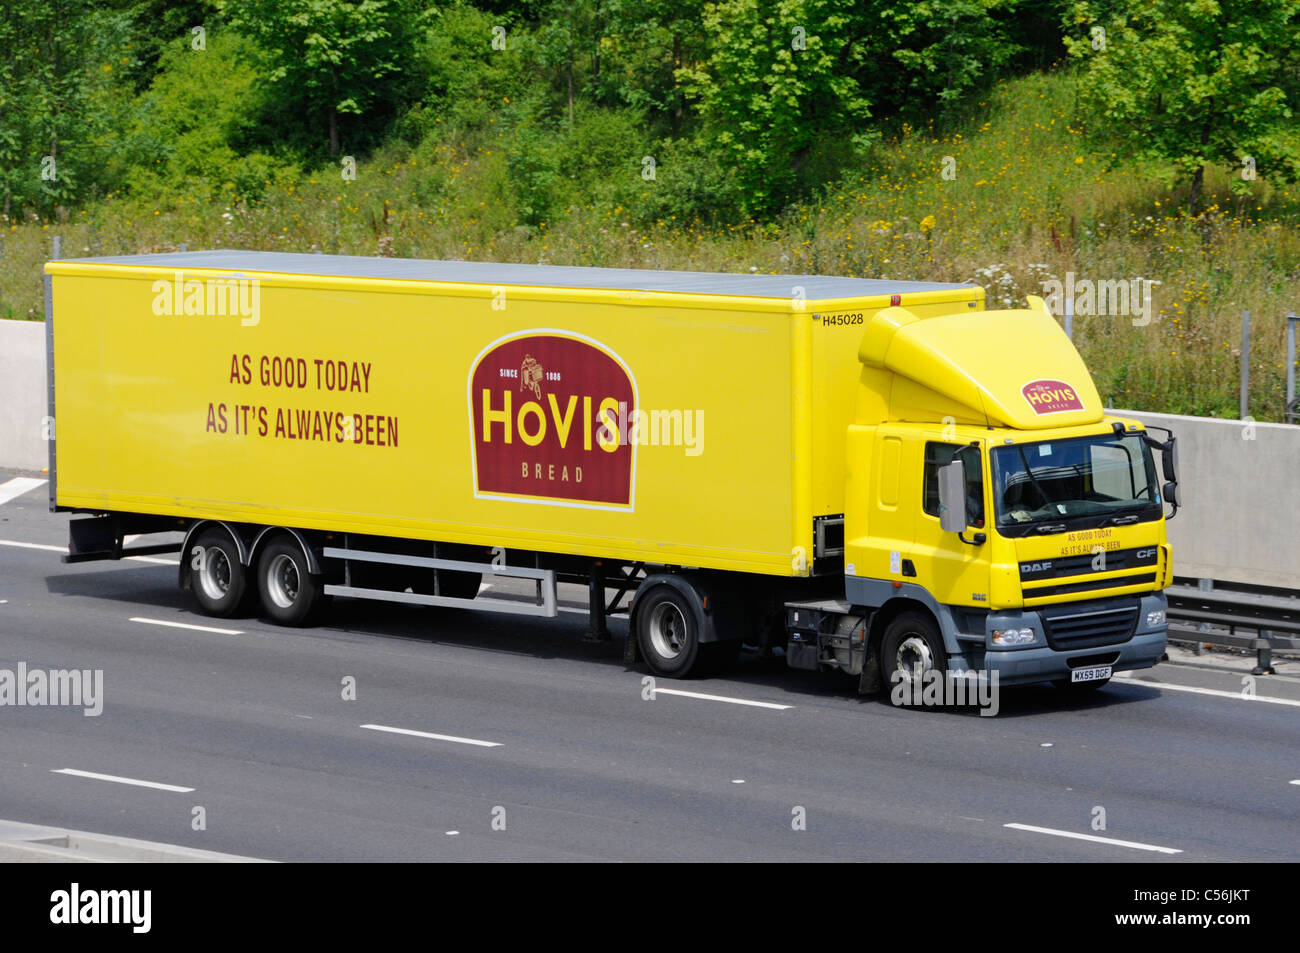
(554, 276)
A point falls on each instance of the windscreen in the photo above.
(1064, 480)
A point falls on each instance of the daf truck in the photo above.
(879, 477)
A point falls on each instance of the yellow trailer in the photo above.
(336, 426)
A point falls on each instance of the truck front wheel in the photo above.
(289, 591)
(217, 577)
(911, 647)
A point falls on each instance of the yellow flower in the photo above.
(927, 223)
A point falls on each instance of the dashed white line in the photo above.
(187, 625)
(117, 780)
(721, 698)
(44, 546)
(1094, 838)
(429, 734)
(17, 487)
(1216, 692)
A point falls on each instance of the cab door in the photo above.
(890, 519)
(954, 572)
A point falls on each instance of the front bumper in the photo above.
(1041, 661)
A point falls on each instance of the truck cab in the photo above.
(996, 510)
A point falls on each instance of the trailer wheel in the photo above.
(668, 631)
(289, 591)
(912, 646)
(217, 577)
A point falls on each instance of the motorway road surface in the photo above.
(465, 722)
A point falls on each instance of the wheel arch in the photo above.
(193, 533)
(269, 534)
(687, 587)
(871, 679)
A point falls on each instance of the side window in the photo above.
(1112, 472)
(941, 454)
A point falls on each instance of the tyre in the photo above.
(288, 590)
(217, 577)
(668, 631)
(911, 647)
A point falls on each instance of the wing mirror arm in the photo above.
(1168, 465)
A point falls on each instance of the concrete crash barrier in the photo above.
(1240, 487)
(35, 844)
(24, 399)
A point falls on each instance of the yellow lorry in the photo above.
(879, 477)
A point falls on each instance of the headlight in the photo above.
(1013, 636)
(1155, 618)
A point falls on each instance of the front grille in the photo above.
(1089, 625)
(1114, 582)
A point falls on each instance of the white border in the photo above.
(469, 401)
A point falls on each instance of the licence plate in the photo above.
(1093, 674)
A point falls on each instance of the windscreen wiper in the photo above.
(1029, 472)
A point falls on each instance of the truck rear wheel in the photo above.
(668, 630)
(288, 589)
(217, 577)
(911, 647)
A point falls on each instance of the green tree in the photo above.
(946, 48)
(57, 90)
(778, 78)
(340, 57)
(1188, 85)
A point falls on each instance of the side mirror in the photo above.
(1171, 494)
(952, 497)
(1169, 459)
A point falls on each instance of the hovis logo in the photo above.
(1051, 397)
(544, 407)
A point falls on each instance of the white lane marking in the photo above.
(64, 549)
(112, 777)
(17, 487)
(1218, 693)
(429, 734)
(44, 546)
(1296, 781)
(187, 625)
(1094, 838)
(721, 698)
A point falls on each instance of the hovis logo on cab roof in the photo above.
(1051, 397)
(544, 407)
